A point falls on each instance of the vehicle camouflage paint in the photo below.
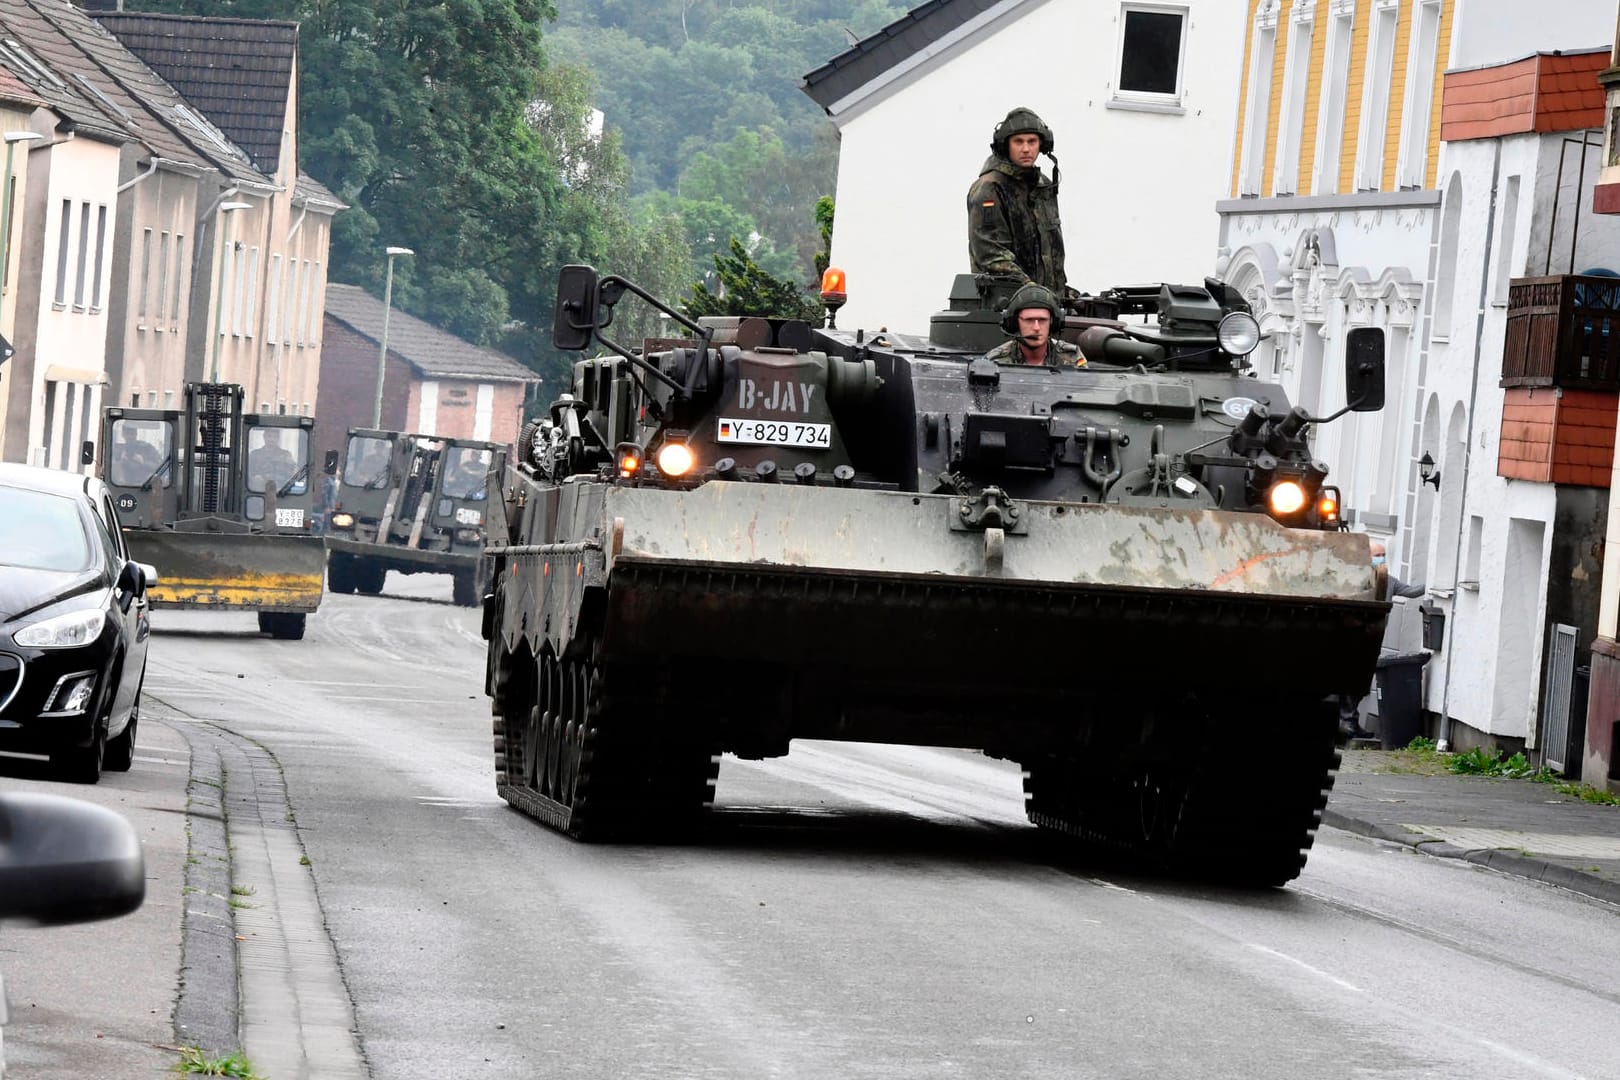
(1119, 576)
(413, 504)
(221, 502)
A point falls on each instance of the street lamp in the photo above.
(225, 210)
(12, 139)
(382, 347)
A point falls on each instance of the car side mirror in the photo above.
(65, 860)
(331, 463)
(149, 576)
(1364, 369)
(87, 453)
(573, 319)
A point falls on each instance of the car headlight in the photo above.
(343, 520)
(63, 631)
(676, 459)
(1238, 333)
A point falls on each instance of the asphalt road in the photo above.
(860, 912)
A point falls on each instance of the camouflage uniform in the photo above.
(1059, 353)
(1013, 226)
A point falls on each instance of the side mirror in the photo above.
(149, 575)
(331, 463)
(132, 579)
(573, 320)
(1364, 369)
(65, 860)
(87, 453)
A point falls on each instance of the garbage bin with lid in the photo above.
(1400, 698)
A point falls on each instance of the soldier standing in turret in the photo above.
(1013, 226)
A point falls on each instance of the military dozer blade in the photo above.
(231, 571)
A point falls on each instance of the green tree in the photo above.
(747, 289)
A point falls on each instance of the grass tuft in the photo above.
(194, 1062)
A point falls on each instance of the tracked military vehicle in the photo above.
(221, 501)
(1121, 576)
(413, 504)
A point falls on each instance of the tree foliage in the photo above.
(747, 289)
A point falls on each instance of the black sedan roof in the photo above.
(55, 481)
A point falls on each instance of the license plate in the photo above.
(291, 518)
(774, 433)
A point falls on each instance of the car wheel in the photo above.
(82, 764)
(267, 623)
(369, 577)
(120, 753)
(340, 573)
(465, 589)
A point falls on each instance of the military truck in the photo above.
(413, 504)
(1128, 577)
(221, 502)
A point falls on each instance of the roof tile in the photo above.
(431, 351)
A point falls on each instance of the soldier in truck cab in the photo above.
(269, 463)
(1031, 316)
(1013, 226)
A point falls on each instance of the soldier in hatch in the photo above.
(1013, 226)
(1031, 315)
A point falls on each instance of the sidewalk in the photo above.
(1516, 826)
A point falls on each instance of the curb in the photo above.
(1507, 862)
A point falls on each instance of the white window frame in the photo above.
(1412, 161)
(238, 286)
(1296, 81)
(252, 292)
(313, 314)
(163, 277)
(1341, 27)
(1375, 95)
(1257, 109)
(272, 302)
(179, 280)
(1144, 99)
(146, 278)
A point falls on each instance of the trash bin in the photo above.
(1400, 698)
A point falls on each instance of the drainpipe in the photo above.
(151, 167)
(1468, 443)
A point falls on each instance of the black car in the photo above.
(74, 623)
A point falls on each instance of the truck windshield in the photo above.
(464, 472)
(273, 458)
(367, 462)
(139, 449)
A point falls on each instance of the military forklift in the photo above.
(414, 504)
(221, 502)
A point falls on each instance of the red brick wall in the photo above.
(1557, 436)
(348, 389)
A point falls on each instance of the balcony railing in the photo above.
(1563, 331)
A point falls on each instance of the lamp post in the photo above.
(382, 346)
(12, 139)
(225, 211)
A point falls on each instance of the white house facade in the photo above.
(1140, 98)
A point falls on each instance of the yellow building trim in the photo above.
(1313, 102)
(1243, 102)
(1352, 95)
(1279, 61)
(1442, 57)
(1397, 96)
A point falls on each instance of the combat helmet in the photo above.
(1021, 120)
(1030, 295)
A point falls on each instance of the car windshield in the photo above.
(367, 462)
(140, 453)
(41, 531)
(464, 472)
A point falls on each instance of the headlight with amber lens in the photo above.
(1286, 498)
(676, 459)
(1238, 333)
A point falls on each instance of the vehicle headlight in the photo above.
(1286, 498)
(1238, 333)
(63, 631)
(676, 459)
(343, 520)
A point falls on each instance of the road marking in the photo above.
(1318, 972)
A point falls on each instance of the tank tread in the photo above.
(1250, 828)
(598, 758)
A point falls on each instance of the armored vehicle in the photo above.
(221, 502)
(1120, 576)
(413, 504)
